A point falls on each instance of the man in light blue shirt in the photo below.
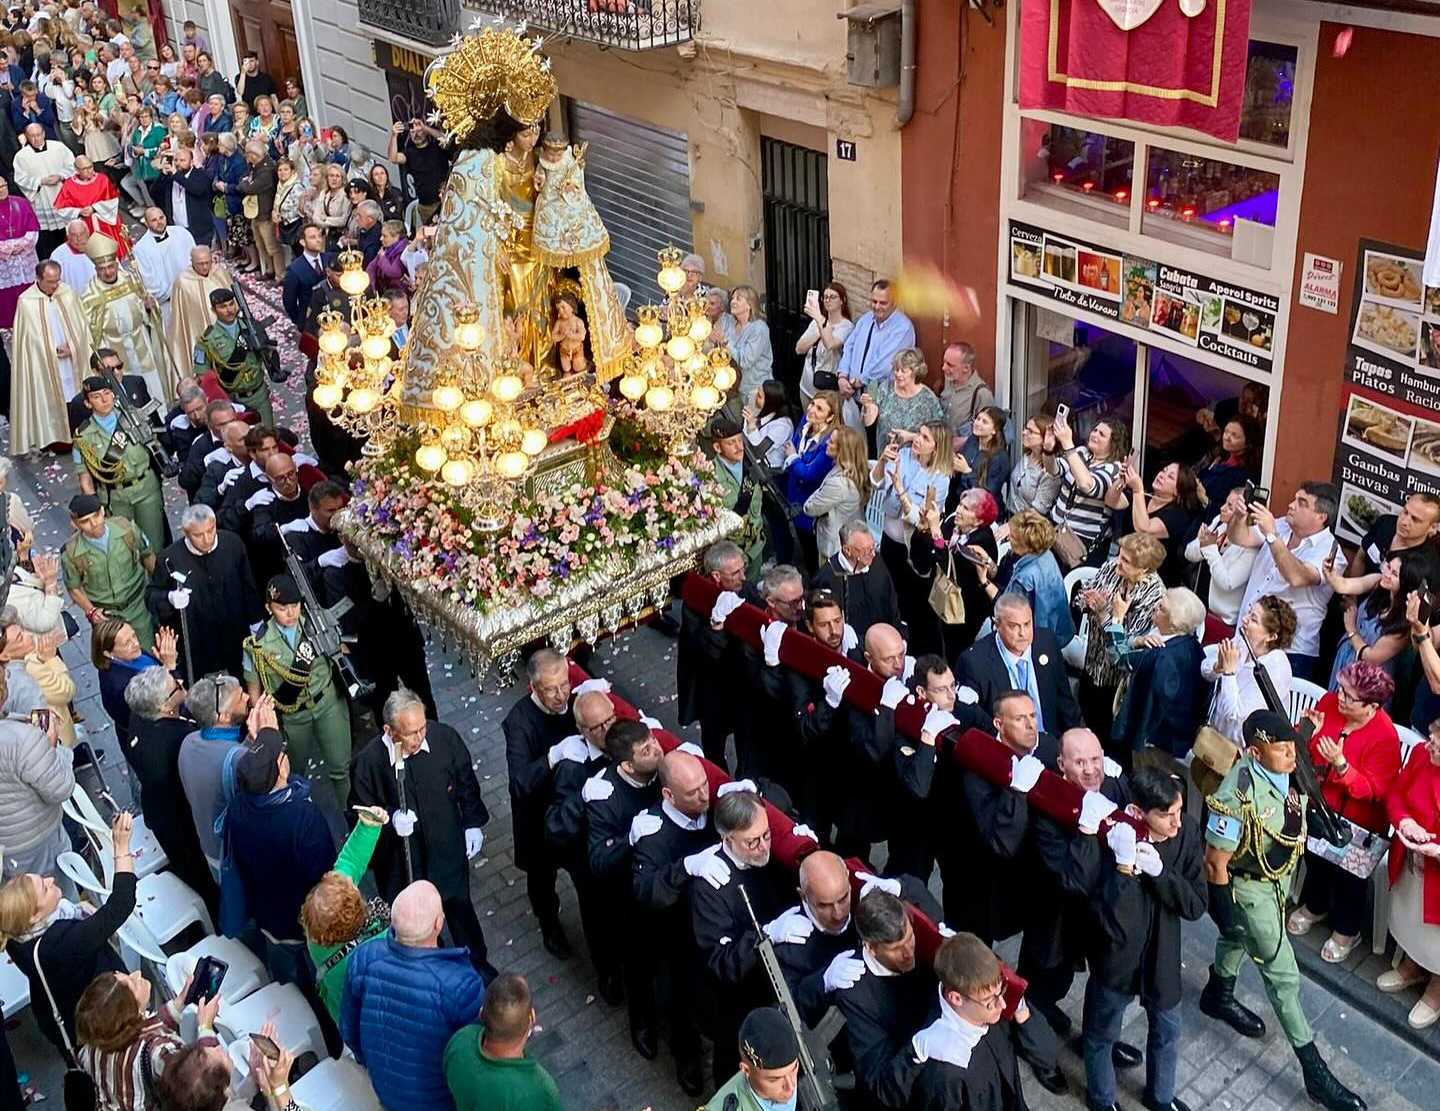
(876, 339)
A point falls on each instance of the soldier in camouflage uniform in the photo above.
(222, 348)
(107, 565)
(116, 469)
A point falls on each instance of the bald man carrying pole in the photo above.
(405, 998)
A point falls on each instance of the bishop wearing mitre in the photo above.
(51, 357)
(123, 316)
(93, 198)
(190, 311)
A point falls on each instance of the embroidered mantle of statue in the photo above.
(517, 236)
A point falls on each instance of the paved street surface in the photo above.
(586, 1044)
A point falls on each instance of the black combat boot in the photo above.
(1321, 1085)
(1218, 1001)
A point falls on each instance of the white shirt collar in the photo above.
(630, 779)
(390, 747)
(256, 472)
(595, 753)
(196, 552)
(691, 824)
(732, 858)
(805, 907)
(538, 704)
(949, 1038)
(875, 967)
(1010, 656)
(845, 564)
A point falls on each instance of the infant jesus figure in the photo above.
(568, 335)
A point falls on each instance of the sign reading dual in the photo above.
(1390, 416)
(1146, 296)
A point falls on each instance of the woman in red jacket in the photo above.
(1414, 806)
(1356, 753)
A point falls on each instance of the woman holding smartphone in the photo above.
(821, 343)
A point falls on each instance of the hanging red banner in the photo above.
(1175, 63)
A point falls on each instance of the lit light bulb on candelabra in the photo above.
(430, 457)
(448, 397)
(477, 413)
(670, 278)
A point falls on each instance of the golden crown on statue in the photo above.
(487, 72)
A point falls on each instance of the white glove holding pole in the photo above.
(1094, 809)
(1025, 773)
(644, 825)
(937, 721)
(597, 788)
(708, 865)
(836, 679)
(403, 822)
(770, 638)
(893, 694)
(724, 606)
(179, 598)
(844, 971)
(1121, 839)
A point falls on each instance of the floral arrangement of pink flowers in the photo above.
(557, 539)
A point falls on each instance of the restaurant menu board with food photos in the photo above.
(1390, 415)
(1210, 315)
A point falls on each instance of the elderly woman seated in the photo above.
(1356, 753)
(1166, 697)
(335, 917)
(1413, 806)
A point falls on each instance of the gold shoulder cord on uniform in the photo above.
(238, 371)
(1251, 828)
(105, 472)
(272, 674)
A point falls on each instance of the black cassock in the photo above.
(882, 1014)
(441, 788)
(224, 602)
(990, 1082)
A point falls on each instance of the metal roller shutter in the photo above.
(638, 175)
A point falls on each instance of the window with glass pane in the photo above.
(1269, 93)
(1210, 205)
(1077, 170)
(1188, 416)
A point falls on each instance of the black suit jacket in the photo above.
(982, 669)
(1166, 700)
(440, 786)
(199, 199)
(300, 281)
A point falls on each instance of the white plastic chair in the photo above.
(14, 987)
(167, 906)
(77, 869)
(1409, 738)
(138, 945)
(295, 1025)
(1074, 653)
(149, 857)
(1303, 695)
(245, 975)
(341, 1085)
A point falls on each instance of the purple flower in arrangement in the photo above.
(402, 547)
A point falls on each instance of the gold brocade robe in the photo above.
(37, 393)
(523, 278)
(118, 319)
(190, 311)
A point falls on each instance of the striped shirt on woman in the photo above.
(1083, 508)
(119, 1074)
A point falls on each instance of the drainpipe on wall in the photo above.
(905, 107)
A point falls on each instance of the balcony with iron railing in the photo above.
(622, 24)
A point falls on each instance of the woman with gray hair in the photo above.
(1166, 699)
(158, 726)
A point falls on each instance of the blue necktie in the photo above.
(1022, 681)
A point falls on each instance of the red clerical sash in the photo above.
(1142, 60)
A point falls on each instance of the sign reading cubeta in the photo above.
(1145, 296)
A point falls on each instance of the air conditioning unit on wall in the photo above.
(873, 52)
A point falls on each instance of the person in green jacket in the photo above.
(485, 1063)
(335, 916)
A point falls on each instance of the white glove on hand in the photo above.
(597, 788)
(836, 679)
(1025, 773)
(800, 829)
(937, 721)
(179, 598)
(336, 557)
(844, 971)
(724, 606)
(770, 637)
(1147, 859)
(708, 866)
(572, 747)
(945, 931)
(967, 696)
(908, 670)
(870, 883)
(893, 694)
(791, 928)
(1121, 839)
(1094, 808)
(403, 822)
(1112, 769)
(474, 842)
(230, 476)
(692, 748)
(736, 785)
(263, 496)
(650, 723)
(601, 685)
(644, 825)
(848, 640)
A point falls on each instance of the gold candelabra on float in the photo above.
(355, 392)
(485, 438)
(679, 385)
